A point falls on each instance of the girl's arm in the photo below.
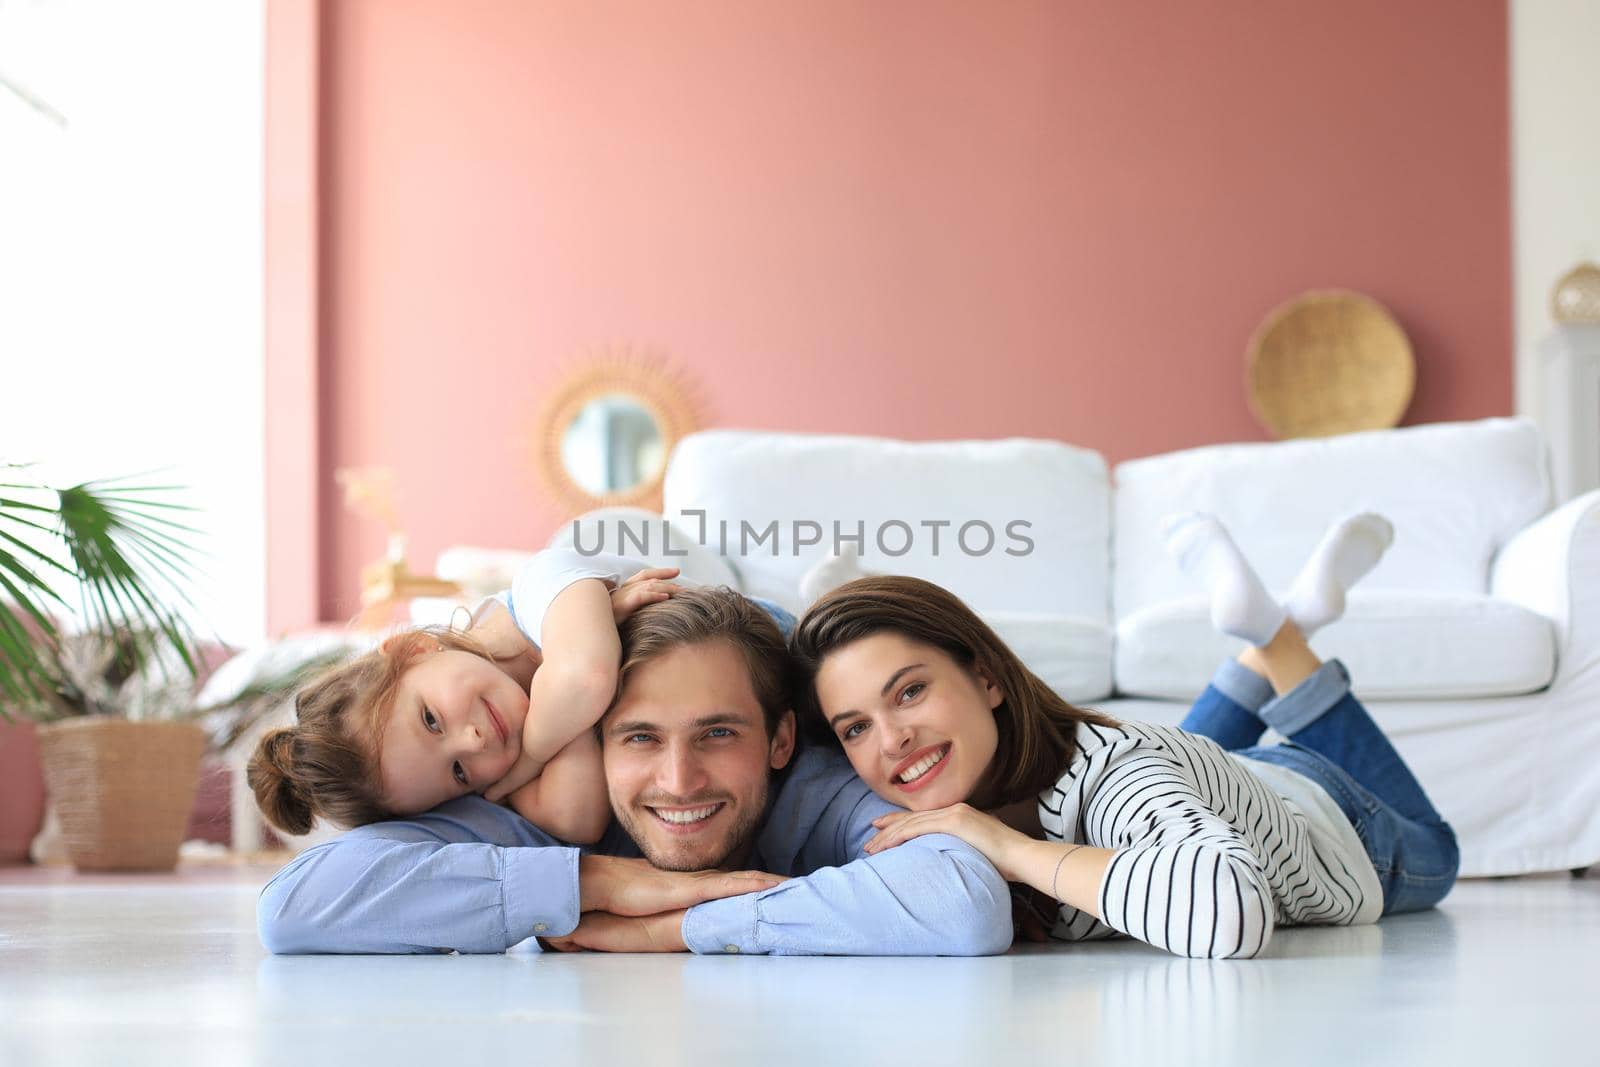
(577, 678)
(568, 799)
(574, 683)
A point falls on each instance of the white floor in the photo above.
(168, 971)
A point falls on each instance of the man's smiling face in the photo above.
(688, 759)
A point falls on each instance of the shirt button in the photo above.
(540, 928)
(730, 948)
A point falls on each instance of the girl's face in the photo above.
(455, 727)
(917, 726)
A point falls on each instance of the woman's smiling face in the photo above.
(918, 727)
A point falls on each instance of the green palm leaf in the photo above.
(129, 555)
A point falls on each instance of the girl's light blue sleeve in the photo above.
(543, 578)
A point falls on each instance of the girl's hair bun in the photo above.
(271, 774)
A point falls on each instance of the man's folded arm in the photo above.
(464, 878)
(932, 896)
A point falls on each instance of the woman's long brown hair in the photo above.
(1036, 727)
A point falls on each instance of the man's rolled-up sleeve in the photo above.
(931, 896)
(435, 883)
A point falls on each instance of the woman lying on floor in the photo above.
(1196, 839)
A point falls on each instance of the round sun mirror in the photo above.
(605, 432)
(612, 445)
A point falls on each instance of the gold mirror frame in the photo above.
(645, 377)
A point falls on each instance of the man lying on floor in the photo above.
(702, 717)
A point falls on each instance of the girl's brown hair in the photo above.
(327, 763)
(1037, 728)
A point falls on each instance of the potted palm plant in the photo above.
(120, 752)
(120, 772)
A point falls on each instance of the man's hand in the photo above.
(649, 586)
(631, 887)
(601, 931)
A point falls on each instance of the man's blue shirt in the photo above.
(471, 876)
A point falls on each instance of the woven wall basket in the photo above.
(1329, 362)
(123, 790)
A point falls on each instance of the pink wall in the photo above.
(899, 217)
(293, 449)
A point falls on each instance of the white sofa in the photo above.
(1475, 643)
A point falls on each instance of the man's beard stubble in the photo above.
(735, 843)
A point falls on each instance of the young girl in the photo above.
(1190, 839)
(504, 709)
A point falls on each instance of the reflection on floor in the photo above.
(167, 970)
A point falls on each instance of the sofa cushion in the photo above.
(1456, 493)
(1040, 511)
(1398, 646)
(1071, 655)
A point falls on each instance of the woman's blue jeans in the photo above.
(1333, 741)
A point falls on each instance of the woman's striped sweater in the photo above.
(1210, 858)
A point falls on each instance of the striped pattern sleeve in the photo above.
(1184, 878)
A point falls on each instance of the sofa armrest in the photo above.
(1553, 568)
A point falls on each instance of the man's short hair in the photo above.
(705, 614)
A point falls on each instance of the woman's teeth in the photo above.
(691, 815)
(923, 766)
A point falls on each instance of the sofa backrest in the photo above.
(1036, 513)
(1456, 492)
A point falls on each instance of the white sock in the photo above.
(1240, 604)
(828, 574)
(1346, 553)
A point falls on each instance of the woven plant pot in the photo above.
(123, 790)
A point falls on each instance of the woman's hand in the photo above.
(1069, 873)
(997, 841)
(649, 586)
